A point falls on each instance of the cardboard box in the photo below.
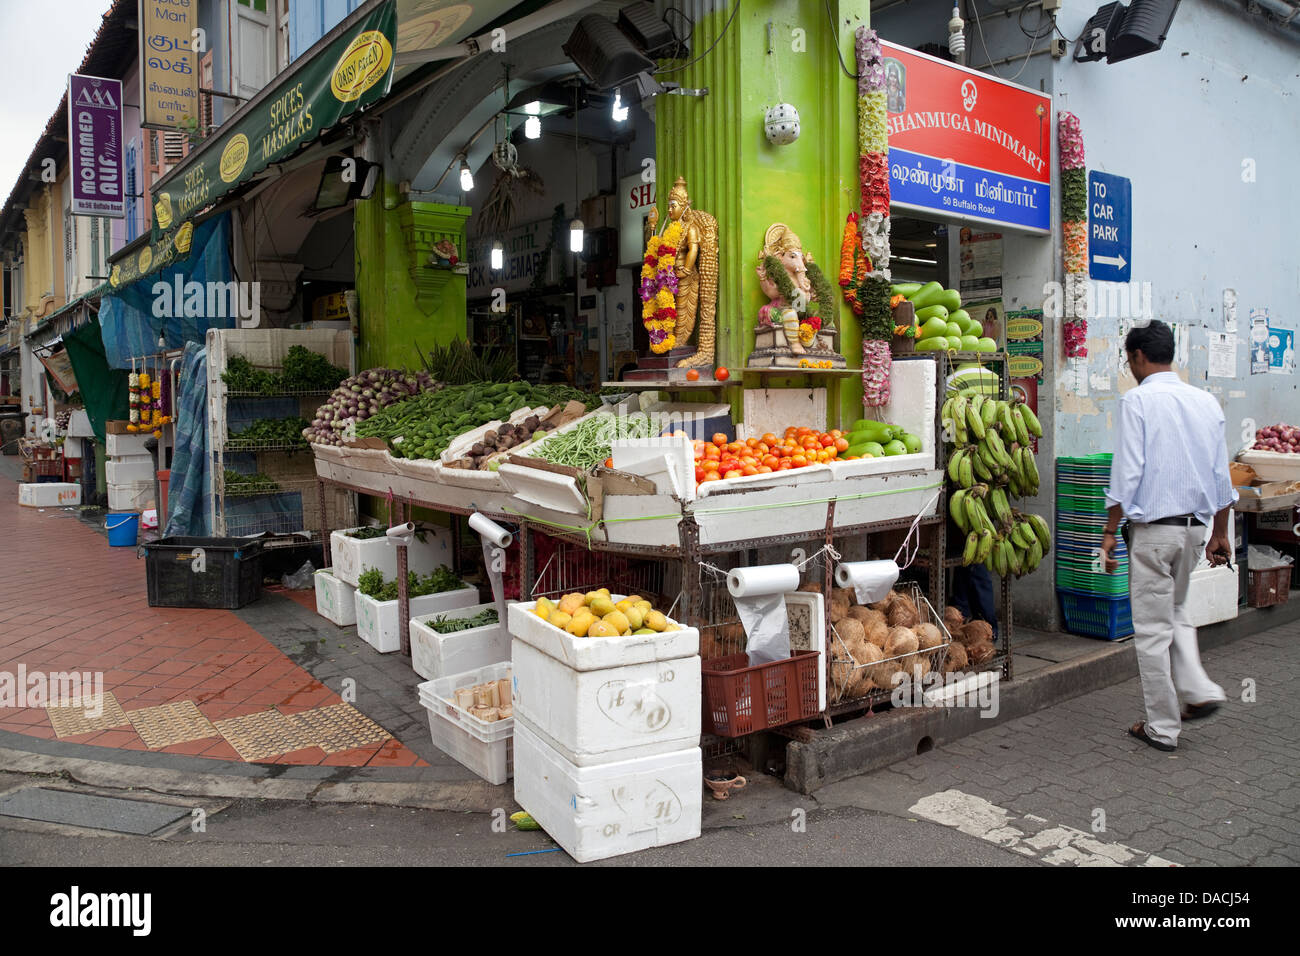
(116, 427)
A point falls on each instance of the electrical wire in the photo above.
(979, 27)
(835, 41)
(718, 40)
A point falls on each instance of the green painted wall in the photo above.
(717, 143)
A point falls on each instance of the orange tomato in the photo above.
(722, 374)
(841, 444)
(789, 432)
(836, 433)
(771, 461)
(709, 464)
(798, 461)
(785, 465)
(712, 476)
(719, 439)
(733, 473)
(693, 375)
(764, 470)
(769, 439)
(750, 469)
(803, 430)
(712, 452)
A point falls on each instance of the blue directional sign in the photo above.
(1110, 227)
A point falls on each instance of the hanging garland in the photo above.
(1074, 230)
(811, 319)
(869, 291)
(659, 288)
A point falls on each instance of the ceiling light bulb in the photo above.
(533, 125)
(619, 111)
(466, 177)
(498, 255)
(575, 235)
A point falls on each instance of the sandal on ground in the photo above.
(1139, 730)
(1197, 711)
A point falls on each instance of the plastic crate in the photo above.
(1268, 587)
(1091, 615)
(740, 700)
(203, 572)
(485, 747)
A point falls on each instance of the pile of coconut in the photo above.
(972, 640)
(888, 637)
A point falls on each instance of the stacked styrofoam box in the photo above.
(378, 621)
(128, 472)
(336, 601)
(607, 756)
(435, 655)
(351, 556)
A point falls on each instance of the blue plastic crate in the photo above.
(1108, 618)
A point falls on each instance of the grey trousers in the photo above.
(1161, 561)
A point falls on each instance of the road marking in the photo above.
(1028, 835)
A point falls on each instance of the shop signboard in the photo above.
(524, 253)
(353, 72)
(967, 146)
(1110, 227)
(636, 198)
(169, 80)
(95, 146)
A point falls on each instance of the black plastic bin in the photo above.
(203, 572)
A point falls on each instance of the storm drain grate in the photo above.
(90, 810)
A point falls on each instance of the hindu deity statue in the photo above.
(694, 268)
(796, 327)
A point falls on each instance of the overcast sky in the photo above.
(41, 42)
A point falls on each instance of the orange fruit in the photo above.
(692, 376)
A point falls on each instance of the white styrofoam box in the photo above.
(79, 425)
(887, 497)
(546, 489)
(133, 496)
(483, 747)
(776, 409)
(130, 444)
(335, 600)
(377, 621)
(599, 653)
(435, 655)
(594, 717)
(611, 809)
(814, 606)
(351, 556)
(808, 475)
(1212, 595)
(1272, 465)
(911, 405)
(52, 494)
(129, 470)
(667, 461)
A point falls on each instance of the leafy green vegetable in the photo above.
(237, 483)
(302, 371)
(459, 363)
(444, 625)
(371, 582)
(365, 534)
(270, 431)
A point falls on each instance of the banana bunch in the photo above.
(993, 462)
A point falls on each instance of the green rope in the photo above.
(785, 504)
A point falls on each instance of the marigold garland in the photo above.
(659, 288)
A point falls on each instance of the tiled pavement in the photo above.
(69, 602)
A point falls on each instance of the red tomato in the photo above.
(769, 439)
(699, 474)
(722, 374)
(798, 461)
(734, 473)
(609, 462)
(841, 444)
(719, 439)
(693, 376)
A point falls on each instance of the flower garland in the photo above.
(1074, 230)
(870, 290)
(659, 288)
(810, 322)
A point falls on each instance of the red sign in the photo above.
(965, 143)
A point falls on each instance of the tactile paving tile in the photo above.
(176, 723)
(268, 733)
(70, 719)
(339, 727)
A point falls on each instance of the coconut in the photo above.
(902, 613)
(902, 640)
(852, 633)
(883, 603)
(976, 632)
(956, 658)
(812, 587)
(916, 665)
(953, 619)
(839, 609)
(863, 682)
(860, 613)
(928, 636)
(877, 632)
(842, 675)
(979, 653)
(844, 593)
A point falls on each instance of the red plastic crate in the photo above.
(740, 700)
(1269, 587)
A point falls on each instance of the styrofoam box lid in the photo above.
(439, 697)
(599, 653)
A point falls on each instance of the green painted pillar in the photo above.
(775, 51)
(404, 300)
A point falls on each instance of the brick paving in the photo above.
(69, 602)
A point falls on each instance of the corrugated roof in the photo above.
(110, 53)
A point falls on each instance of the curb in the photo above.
(867, 744)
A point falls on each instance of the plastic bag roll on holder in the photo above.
(493, 537)
(759, 594)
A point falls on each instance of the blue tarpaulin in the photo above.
(127, 316)
(188, 499)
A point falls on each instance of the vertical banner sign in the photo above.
(965, 144)
(169, 79)
(95, 146)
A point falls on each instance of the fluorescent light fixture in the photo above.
(575, 235)
(498, 255)
(466, 176)
(533, 125)
(619, 111)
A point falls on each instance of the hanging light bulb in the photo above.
(498, 255)
(619, 111)
(533, 125)
(575, 235)
(466, 177)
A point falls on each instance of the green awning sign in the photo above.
(352, 72)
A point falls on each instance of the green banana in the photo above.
(959, 419)
(974, 513)
(957, 509)
(966, 472)
(982, 470)
(1001, 506)
(954, 464)
(1031, 421)
(999, 450)
(971, 549)
(1014, 564)
(1030, 470)
(989, 412)
(1014, 486)
(986, 546)
(1041, 530)
(1035, 557)
(1004, 415)
(973, 420)
(1022, 428)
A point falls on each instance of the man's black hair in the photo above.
(1155, 341)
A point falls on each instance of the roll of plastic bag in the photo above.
(870, 580)
(759, 594)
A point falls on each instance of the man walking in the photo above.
(1170, 479)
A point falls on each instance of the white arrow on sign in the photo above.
(1117, 261)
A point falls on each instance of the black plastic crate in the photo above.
(228, 573)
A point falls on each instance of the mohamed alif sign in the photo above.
(95, 146)
(966, 145)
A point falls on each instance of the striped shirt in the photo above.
(1170, 454)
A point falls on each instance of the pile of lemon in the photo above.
(595, 614)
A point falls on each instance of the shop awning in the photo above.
(348, 70)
